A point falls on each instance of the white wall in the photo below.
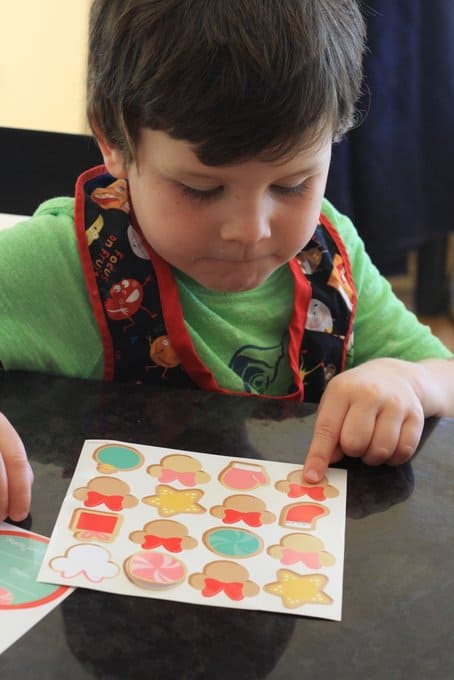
(43, 47)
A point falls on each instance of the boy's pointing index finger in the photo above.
(324, 447)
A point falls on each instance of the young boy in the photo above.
(203, 254)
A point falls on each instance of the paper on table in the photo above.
(201, 528)
(23, 601)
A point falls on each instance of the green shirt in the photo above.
(224, 327)
(47, 323)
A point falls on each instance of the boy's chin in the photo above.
(244, 276)
(233, 283)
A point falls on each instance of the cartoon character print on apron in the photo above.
(122, 285)
(328, 332)
(136, 303)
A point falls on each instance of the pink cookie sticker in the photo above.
(154, 570)
(243, 476)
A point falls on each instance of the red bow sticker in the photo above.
(317, 493)
(252, 519)
(95, 498)
(172, 544)
(233, 590)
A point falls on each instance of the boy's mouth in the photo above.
(242, 259)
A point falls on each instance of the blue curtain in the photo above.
(394, 174)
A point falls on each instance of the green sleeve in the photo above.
(46, 320)
(384, 327)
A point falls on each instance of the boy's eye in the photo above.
(202, 194)
(296, 190)
(211, 194)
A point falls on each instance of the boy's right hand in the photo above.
(16, 476)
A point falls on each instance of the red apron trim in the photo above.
(301, 300)
(90, 278)
(176, 327)
(348, 272)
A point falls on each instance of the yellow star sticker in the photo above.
(171, 501)
(296, 590)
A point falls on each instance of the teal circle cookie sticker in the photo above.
(113, 458)
(229, 542)
(21, 556)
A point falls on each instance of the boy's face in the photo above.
(228, 227)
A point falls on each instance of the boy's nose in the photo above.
(247, 225)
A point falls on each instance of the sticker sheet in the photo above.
(201, 528)
(23, 601)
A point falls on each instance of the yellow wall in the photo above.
(43, 47)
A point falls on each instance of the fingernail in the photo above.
(311, 475)
(18, 516)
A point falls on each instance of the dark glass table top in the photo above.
(398, 586)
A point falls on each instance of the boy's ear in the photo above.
(113, 157)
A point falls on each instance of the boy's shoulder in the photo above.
(339, 221)
(61, 205)
(342, 224)
(50, 228)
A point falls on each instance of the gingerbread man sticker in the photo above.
(179, 468)
(243, 508)
(301, 549)
(113, 493)
(295, 487)
(225, 577)
(164, 533)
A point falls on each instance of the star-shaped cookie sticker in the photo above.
(296, 590)
(170, 501)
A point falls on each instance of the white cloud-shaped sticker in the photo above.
(90, 561)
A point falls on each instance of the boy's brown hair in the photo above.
(236, 78)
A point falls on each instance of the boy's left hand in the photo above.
(16, 476)
(372, 412)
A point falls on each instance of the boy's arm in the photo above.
(376, 412)
(16, 476)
